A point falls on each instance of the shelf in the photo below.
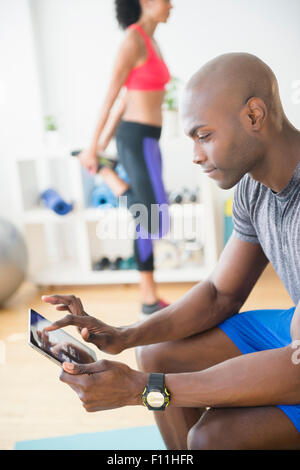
(68, 274)
(87, 234)
(45, 153)
(92, 214)
(181, 274)
(40, 215)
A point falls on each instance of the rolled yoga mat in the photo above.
(55, 202)
(102, 196)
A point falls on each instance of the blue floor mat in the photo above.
(141, 438)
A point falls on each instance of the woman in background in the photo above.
(139, 69)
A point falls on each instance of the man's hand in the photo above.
(107, 338)
(66, 302)
(105, 385)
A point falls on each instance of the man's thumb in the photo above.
(86, 335)
(77, 369)
(90, 337)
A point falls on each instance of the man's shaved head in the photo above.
(238, 76)
(228, 106)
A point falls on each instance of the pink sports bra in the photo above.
(152, 74)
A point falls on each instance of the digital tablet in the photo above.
(57, 345)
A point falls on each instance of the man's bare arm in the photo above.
(203, 307)
(208, 303)
(268, 377)
(264, 378)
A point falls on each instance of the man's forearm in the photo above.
(263, 378)
(199, 310)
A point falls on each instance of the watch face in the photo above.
(155, 399)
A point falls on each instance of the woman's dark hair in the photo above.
(127, 12)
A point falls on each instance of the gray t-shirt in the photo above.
(273, 220)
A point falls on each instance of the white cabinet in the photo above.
(62, 249)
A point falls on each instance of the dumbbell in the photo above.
(189, 195)
(182, 196)
(175, 197)
(103, 263)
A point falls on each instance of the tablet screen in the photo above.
(57, 345)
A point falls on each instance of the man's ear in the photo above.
(255, 113)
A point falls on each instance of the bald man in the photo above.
(230, 380)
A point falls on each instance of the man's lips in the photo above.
(208, 170)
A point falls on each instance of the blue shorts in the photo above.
(259, 330)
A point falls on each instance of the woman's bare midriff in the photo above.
(144, 107)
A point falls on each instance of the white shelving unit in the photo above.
(62, 249)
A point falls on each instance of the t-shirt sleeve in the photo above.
(243, 226)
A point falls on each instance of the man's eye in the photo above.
(203, 137)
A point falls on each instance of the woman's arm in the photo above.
(112, 123)
(127, 56)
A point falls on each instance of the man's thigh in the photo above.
(253, 428)
(191, 354)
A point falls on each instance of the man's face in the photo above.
(222, 146)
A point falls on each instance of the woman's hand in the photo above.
(89, 159)
(107, 338)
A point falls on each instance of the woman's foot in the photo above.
(113, 181)
(148, 309)
(150, 300)
(106, 168)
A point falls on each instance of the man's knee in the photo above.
(207, 433)
(149, 358)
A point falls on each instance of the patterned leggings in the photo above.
(139, 153)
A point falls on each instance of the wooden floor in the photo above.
(35, 404)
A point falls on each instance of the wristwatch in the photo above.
(156, 397)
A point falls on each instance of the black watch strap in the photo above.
(156, 381)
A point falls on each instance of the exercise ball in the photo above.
(13, 259)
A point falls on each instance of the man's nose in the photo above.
(199, 157)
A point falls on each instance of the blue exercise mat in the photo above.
(101, 194)
(55, 202)
(103, 197)
(140, 438)
(121, 172)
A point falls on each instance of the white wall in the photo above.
(79, 38)
(201, 30)
(76, 42)
(20, 106)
